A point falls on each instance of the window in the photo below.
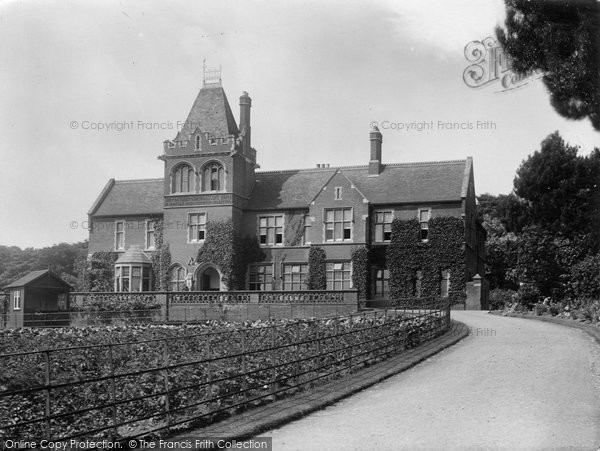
(261, 277)
(182, 179)
(132, 277)
(214, 177)
(306, 232)
(383, 226)
(381, 289)
(338, 275)
(338, 224)
(270, 230)
(337, 193)
(196, 227)
(197, 146)
(295, 276)
(119, 235)
(150, 238)
(424, 221)
(417, 289)
(177, 278)
(445, 283)
(17, 300)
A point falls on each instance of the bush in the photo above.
(500, 298)
(528, 295)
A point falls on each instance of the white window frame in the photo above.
(337, 193)
(117, 248)
(17, 300)
(327, 271)
(200, 226)
(303, 282)
(253, 268)
(267, 227)
(428, 210)
(306, 228)
(153, 222)
(178, 281)
(382, 224)
(325, 222)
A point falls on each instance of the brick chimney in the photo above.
(245, 104)
(375, 161)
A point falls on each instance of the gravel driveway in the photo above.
(512, 384)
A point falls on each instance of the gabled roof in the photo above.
(130, 197)
(210, 112)
(35, 275)
(287, 189)
(437, 181)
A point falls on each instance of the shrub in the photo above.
(317, 278)
(528, 295)
(500, 298)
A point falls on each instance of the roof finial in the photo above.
(211, 76)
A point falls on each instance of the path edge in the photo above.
(253, 422)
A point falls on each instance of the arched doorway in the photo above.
(208, 278)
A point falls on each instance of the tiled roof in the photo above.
(130, 197)
(210, 112)
(134, 255)
(397, 183)
(411, 182)
(436, 181)
(34, 275)
(287, 189)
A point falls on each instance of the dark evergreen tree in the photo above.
(561, 39)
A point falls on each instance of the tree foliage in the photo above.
(65, 260)
(561, 39)
(361, 271)
(551, 249)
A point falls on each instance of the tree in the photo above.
(501, 254)
(562, 189)
(561, 39)
(510, 210)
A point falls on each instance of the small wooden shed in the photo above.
(37, 300)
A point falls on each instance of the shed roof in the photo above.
(35, 275)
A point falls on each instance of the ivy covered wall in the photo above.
(230, 252)
(408, 258)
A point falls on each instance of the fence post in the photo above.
(47, 391)
(165, 372)
(113, 390)
(244, 384)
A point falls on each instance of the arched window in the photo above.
(177, 278)
(213, 177)
(182, 179)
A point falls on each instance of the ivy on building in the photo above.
(407, 256)
(360, 271)
(230, 252)
(317, 277)
(101, 273)
(161, 258)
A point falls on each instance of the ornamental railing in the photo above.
(125, 390)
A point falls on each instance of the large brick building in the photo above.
(210, 174)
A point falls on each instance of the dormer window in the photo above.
(182, 179)
(213, 177)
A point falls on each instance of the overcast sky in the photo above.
(318, 73)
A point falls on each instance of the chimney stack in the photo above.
(245, 104)
(375, 161)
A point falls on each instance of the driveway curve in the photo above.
(512, 384)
